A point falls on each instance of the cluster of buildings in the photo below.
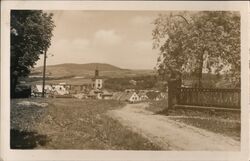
(94, 90)
(131, 95)
(69, 89)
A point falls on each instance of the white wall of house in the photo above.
(60, 89)
(134, 98)
(39, 88)
(99, 96)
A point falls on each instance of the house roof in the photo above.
(152, 95)
(107, 94)
(123, 97)
(97, 77)
(127, 96)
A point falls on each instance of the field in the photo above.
(71, 124)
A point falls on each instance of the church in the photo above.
(97, 81)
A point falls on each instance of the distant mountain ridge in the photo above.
(89, 66)
(86, 70)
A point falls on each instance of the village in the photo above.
(114, 84)
(95, 90)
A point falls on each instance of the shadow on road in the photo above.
(26, 140)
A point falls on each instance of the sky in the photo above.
(120, 38)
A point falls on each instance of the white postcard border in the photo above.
(8, 154)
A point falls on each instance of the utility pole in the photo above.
(44, 72)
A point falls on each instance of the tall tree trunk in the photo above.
(13, 85)
(201, 59)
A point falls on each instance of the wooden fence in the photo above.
(227, 98)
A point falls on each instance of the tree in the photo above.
(198, 42)
(31, 32)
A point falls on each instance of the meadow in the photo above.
(71, 124)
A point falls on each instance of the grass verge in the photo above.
(72, 124)
(223, 122)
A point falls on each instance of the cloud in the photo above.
(132, 55)
(142, 20)
(65, 45)
(107, 37)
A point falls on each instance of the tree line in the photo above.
(137, 83)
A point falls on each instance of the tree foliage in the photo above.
(120, 84)
(31, 33)
(198, 42)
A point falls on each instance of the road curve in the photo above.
(169, 134)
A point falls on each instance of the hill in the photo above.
(87, 70)
(67, 70)
(88, 66)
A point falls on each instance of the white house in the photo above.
(95, 94)
(49, 89)
(142, 96)
(38, 89)
(128, 96)
(132, 97)
(59, 90)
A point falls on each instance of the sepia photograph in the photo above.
(126, 80)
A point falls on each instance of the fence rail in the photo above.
(228, 98)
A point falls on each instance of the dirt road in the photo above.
(170, 134)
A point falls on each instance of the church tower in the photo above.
(97, 81)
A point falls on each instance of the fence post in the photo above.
(173, 92)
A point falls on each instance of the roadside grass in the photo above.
(68, 123)
(227, 128)
(223, 122)
(158, 107)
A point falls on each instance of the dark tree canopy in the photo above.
(31, 32)
(198, 42)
